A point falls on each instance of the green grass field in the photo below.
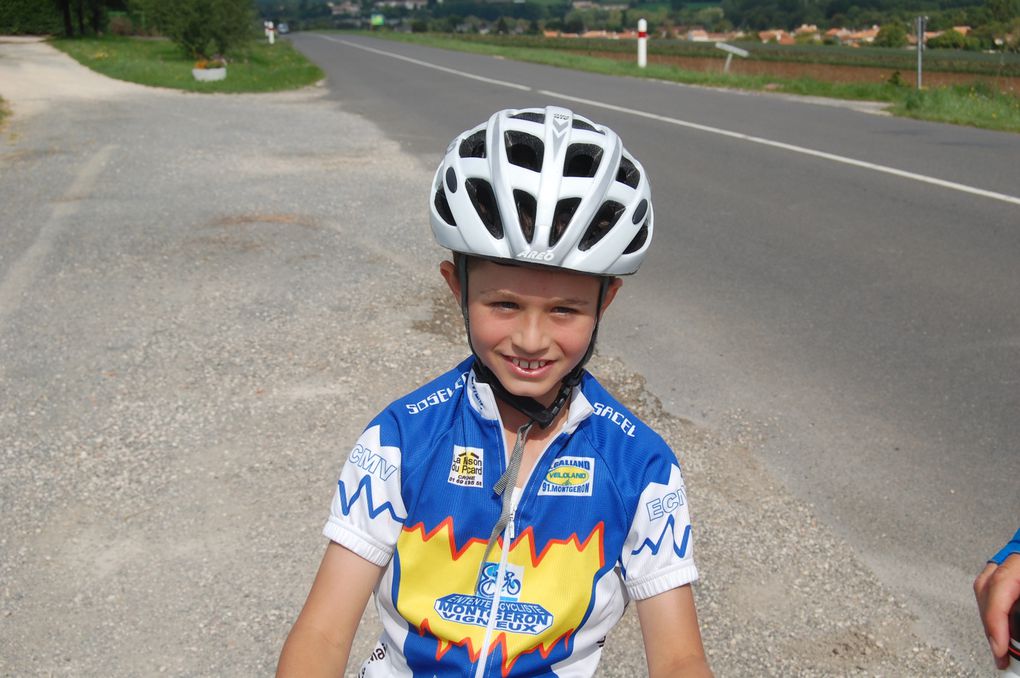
(977, 105)
(258, 67)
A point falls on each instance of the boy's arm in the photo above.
(669, 626)
(320, 641)
(996, 589)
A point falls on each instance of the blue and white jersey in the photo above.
(1009, 549)
(602, 517)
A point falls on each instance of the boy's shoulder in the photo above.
(613, 422)
(430, 400)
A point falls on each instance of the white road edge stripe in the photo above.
(973, 190)
(426, 64)
(796, 149)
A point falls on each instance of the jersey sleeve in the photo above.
(657, 554)
(367, 511)
(1009, 549)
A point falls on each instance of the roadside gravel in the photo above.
(203, 299)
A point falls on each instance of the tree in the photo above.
(891, 35)
(203, 28)
(951, 39)
(574, 22)
(1003, 10)
(65, 11)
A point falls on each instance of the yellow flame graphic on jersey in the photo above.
(559, 578)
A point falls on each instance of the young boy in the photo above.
(505, 513)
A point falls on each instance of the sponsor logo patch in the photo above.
(466, 467)
(569, 475)
(511, 615)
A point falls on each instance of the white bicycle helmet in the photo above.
(543, 186)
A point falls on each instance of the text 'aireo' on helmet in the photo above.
(543, 186)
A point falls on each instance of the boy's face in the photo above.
(529, 326)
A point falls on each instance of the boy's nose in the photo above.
(530, 337)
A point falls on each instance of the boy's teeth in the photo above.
(528, 364)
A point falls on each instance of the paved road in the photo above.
(860, 321)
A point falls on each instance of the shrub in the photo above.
(951, 39)
(891, 35)
(121, 25)
(204, 27)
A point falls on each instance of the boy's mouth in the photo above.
(527, 365)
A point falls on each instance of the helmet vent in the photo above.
(628, 173)
(603, 222)
(639, 213)
(581, 124)
(582, 160)
(526, 208)
(639, 240)
(443, 207)
(473, 146)
(524, 150)
(484, 200)
(530, 116)
(561, 218)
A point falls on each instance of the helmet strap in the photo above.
(529, 407)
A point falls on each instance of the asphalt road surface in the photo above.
(844, 286)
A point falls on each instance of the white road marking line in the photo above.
(885, 169)
(463, 74)
(796, 149)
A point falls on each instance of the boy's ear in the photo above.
(614, 286)
(449, 272)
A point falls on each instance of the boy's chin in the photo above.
(544, 394)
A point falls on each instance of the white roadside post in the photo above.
(271, 30)
(642, 43)
(920, 26)
(730, 51)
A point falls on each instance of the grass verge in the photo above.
(258, 67)
(977, 105)
(4, 111)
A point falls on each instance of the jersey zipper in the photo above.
(497, 594)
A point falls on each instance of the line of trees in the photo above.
(203, 28)
(64, 17)
(943, 14)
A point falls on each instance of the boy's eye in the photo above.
(566, 310)
(509, 305)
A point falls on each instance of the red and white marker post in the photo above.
(642, 43)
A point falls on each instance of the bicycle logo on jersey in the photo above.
(510, 614)
(511, 583)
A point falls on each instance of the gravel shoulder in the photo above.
(203, 299)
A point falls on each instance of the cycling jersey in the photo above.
(1009, 549)
(601, 518)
